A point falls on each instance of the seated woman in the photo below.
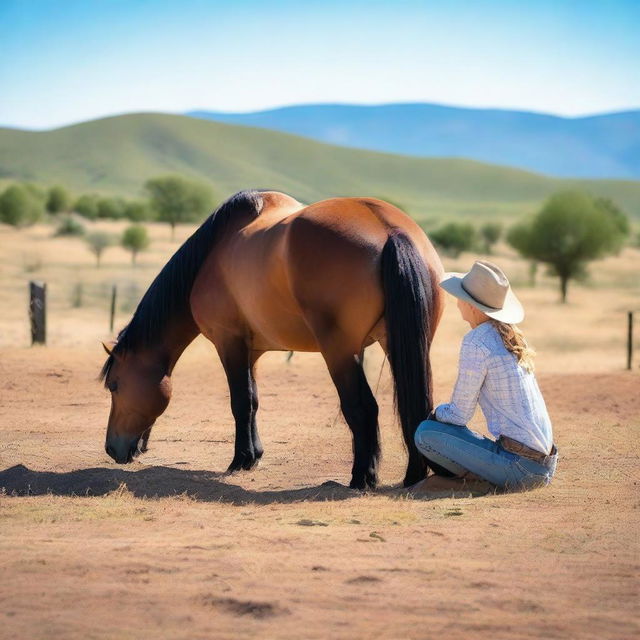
(496, 370)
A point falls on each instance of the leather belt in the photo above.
(513, 446)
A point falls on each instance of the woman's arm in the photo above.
(472, 371)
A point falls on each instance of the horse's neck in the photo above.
(177, 337)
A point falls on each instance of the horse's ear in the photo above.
(107, 349)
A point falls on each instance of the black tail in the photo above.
(408, 312)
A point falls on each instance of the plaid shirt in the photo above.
(509, 396)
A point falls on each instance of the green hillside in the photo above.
(116, 155)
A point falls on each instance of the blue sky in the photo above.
(63, 61)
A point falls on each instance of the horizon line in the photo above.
(187, 113)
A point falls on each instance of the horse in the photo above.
(264, 272)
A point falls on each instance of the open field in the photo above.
(168, 547)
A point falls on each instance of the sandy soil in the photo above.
(169, 547)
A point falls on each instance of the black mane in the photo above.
(168, 294)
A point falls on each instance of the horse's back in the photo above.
(295, 270)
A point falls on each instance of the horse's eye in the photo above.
(112, 386)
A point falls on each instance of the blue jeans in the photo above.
(458, 449)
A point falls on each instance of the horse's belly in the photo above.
(277, 325)
(280, 335)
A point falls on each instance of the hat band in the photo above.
(476, 299)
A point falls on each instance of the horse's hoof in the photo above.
(250, 463)
(243, 462)
(365, 483)
(409, 481)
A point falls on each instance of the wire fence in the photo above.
(121, 296)
(114, 298)
(81, 294)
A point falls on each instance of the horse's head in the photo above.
(140, 392)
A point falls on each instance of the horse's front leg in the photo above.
(238, 361)
(258, 449)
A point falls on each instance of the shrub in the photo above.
(111, 208)
(87, 206)
(455, 237)
(138, 211)
(20, 205)
(58, 199)
(69, 226)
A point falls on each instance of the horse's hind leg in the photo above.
(416, 463)
(360, 410)
(238, 362)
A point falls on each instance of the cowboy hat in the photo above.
(487, 288)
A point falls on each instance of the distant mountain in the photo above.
(601, 146)
(116, 155)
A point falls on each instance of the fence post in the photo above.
(629, 339)
(113, 307)
(38, 312)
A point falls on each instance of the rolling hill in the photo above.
(600, 146)
(117, 154)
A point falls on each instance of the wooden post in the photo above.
(113, 307)
(629, 339)
(37, 312)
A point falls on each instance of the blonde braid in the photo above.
(515, 342)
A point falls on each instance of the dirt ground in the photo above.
(169, 547)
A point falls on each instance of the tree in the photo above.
(518, 238)
(617, 216)
(490, 233)
(177, 200)
(135, 239)
(138, 211)
(87, 206)
(111, 208)
(570, 231)
(20, 205)
(98, 241)
(455, 237)
(58, 199)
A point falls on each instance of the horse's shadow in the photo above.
(159, 482)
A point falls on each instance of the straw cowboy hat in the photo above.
(486, 288)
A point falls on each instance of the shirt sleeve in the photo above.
(471, 374)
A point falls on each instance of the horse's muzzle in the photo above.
(122, 450)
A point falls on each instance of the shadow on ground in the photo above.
(204, 486)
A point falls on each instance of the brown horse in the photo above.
(265, 273)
